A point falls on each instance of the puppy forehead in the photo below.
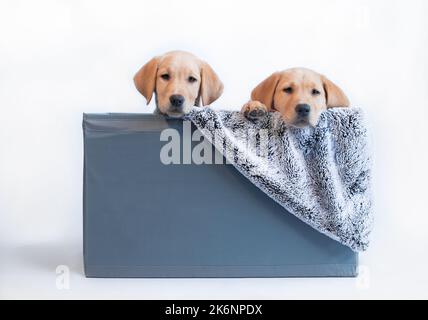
(301, 77)
(179, 62)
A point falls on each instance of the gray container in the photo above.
(146, 219)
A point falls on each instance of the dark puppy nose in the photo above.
(176, 100)
(303, 109)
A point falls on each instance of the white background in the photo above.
(59, 59)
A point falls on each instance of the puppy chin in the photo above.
(174, 113)
(296, 122)
(306, 122)
(302, 123)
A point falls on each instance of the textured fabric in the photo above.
(321, 175)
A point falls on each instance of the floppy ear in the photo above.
(145, 78)
(211, 86)
(334, 96)
(265, 90)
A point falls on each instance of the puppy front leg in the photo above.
(254, 110)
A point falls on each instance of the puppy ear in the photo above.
(211, 86)
(145, 78)
(334, 96)
(265, 91)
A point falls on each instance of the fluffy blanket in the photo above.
(321, 175)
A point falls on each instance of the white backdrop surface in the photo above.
(59, 59)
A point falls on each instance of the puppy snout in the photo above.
(303, 110)
(176, 100)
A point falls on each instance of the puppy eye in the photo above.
(315, 92)
(165, 76)
(288, 90)
(192, 79)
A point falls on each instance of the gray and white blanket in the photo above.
(321, 175)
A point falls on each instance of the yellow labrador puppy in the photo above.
(299, 94)
(179, 81)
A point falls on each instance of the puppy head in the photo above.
(300, 95)
(179, 80)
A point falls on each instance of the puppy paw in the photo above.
(254, 110)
